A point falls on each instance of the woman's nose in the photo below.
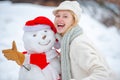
(60, 19)
(44, 37)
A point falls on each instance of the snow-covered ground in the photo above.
(14, 16)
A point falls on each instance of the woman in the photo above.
(79, 59)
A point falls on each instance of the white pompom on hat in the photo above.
(39, 23)
(73, 6)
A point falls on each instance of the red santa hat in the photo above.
(39, 23)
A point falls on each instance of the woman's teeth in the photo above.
(61, 25)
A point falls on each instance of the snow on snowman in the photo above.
(41, 60)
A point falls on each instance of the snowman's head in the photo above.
(39, 35)
(39, 41)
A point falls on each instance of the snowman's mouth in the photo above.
(44, 43)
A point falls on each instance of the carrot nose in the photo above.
(43, 37)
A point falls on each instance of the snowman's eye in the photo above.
(34, 35)
(45, 31)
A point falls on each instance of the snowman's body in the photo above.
(39, 42)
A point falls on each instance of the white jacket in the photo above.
(86, 62)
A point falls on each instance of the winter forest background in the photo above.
(100, 21)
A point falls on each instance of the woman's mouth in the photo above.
(61, 25)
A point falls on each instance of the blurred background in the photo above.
(110, 15)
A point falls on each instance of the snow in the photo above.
(14, 16)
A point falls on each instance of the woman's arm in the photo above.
(87, 57)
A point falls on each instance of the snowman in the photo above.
(41, 60)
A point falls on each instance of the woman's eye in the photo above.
(57, 16)
(34, 35)
(65, 16)
(45, 31)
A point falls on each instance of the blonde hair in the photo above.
(76, 20)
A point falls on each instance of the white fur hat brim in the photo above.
(36, 27)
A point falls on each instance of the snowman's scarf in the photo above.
(65, 49)
(39, 60)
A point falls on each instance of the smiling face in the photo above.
(64, 20)
(38, 41)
